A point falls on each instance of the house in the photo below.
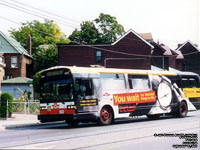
(16, 86)
(19, 63)
(164, 57)
(191, 53)
(130, 51)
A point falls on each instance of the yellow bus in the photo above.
(79, 94)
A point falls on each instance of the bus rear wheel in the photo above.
(106, 116)
(182, 109)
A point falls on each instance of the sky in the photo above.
(170, 21)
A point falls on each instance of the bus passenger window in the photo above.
(113, 76)
(189, 82)
(139, 82)
(192, 83)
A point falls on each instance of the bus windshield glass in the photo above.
(59, 90)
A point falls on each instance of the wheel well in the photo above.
(109, 107)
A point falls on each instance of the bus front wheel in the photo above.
(106, 116)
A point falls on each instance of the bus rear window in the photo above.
(189, 82)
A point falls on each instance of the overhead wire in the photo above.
(48, 12)
(25, 10)
(91, 46)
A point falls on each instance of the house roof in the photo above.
(167, 51)
(18, 80)
(16, 45)
(132, 31)
(178, 49)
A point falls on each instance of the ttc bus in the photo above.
(79, 94)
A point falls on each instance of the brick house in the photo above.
(130, 51)
(18, 62)
(191, 53)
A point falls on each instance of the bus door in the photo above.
(86, 101)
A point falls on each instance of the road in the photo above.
(127, 134)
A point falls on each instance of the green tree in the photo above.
(46, 57)
(42, 33)
(103, 30)
(109, 28)
(88, 34)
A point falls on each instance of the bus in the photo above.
(79, 94)
(189, 82)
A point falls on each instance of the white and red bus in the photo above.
(78, 94)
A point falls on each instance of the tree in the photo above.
(103, 30)
(88, 34)
(42, 33)
(46, 57)
(109, 28)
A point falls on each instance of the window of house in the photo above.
(98, 56)
(9, 76)
(14, 62)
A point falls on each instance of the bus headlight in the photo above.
(70, 107)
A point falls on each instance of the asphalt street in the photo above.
(134, 133)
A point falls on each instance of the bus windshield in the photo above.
(59, 90)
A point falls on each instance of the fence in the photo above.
(25, 108)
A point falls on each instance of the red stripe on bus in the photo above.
(57, 111)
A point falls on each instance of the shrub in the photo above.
(3, 108)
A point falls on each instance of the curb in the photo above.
(35, 124)
(22, 125)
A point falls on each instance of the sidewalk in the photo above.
(18, 120)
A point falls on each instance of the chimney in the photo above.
(29, 44)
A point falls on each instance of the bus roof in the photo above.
(92, 70)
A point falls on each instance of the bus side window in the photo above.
(84, 87)
(139, 82)
(190, 82)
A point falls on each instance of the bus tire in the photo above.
(106, 116)
(182, 109)
(153, 117)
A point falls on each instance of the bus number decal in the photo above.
(138, 97)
